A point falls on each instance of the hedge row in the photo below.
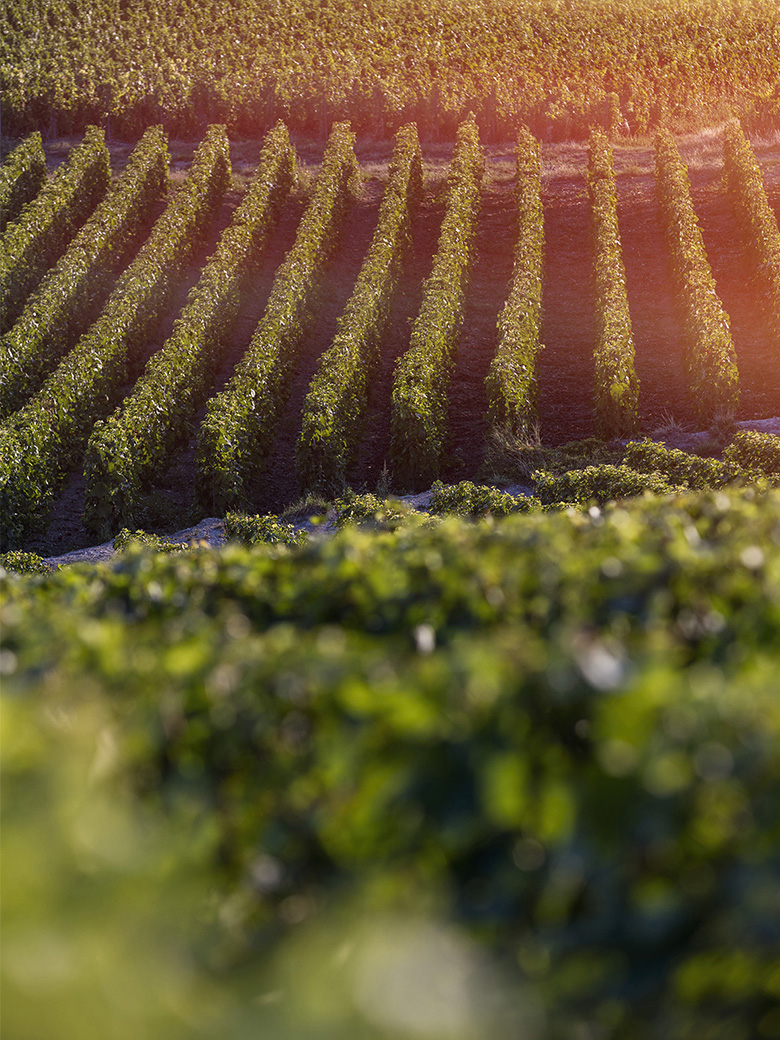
(338, 395)
(709, 355)
(31, 244)
(40, 442)
(616, 383)
(368, 508)
(241, 421)
(22, 176)
(129, 447)
(646, 467)
(418, 421)
(511, 381)
(71, 292)
(755, 215)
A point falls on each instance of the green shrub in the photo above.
(136, 443)
(71, 293)
(35, 241)
(615, 379)
(252, 530)
(352, 508)
(709, 355)
(23, 562)
(677, 466)
(601, 483)
(133, 539)
(759, 452)
(41, 441)
(756, 217)
(467, 499)
(418, 421)
(337, 398)
(241, 421)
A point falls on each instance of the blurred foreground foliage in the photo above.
(515, 778)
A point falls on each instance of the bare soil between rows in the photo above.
(565, 364)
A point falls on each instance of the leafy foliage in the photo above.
(23, 562)
(616, 382)
(72, 290)
(759, 452)
(338, 394)
(756, 217)
(709, 356)
(127, 539)
(240, 423)
(43, 439)
(558, 67)
(557, 734)
(371, 510)
(511, 383)
(129, 447)
(418, 421)
(467, 499)
(254, 530)
(33, 242)
(681, 468)
(600, 483)
(22, 175)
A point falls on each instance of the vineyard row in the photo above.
(554, 66)
(49, 433)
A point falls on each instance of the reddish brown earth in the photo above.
(565, 365)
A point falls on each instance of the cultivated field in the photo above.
(556, 65)
(565, 366)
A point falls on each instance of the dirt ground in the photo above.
(565, 365)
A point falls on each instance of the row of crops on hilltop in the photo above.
(245, 63)
(80, 347)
